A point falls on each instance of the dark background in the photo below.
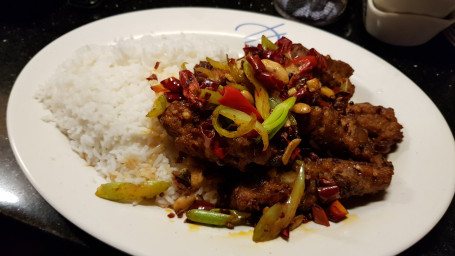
(31, 226)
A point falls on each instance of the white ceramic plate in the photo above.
(421, 190)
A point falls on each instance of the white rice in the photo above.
(99, 99)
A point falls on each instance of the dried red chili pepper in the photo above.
(266, 79)
(256, 63)
(269, 80)
(319, 215)
(172, 84)
(252, 50)
(328, 193)
(301, 93)
(191, 88)
(279, 55)
(173, 96)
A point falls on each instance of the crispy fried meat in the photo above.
(187, 127)
(352, 178)
(361, 132)
(351, 140)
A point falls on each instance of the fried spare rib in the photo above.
(353, 179)
(188, 129)
(362, 131)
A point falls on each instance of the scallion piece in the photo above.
(278, 117)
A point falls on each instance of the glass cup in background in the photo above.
(313, 12)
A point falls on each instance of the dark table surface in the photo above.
(29, 225)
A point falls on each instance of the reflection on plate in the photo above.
(424, 166)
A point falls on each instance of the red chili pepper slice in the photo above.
(234, 99)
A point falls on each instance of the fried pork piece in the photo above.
(186, 126)
(352, 178)
(337, 70)
(361, 132)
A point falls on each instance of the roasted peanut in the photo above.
(248, 96)
(182, 203)
(326, 91)
(276, 69)
(313, 84)
(301, 108)
(292, 91)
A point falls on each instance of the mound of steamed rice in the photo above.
(100, 97)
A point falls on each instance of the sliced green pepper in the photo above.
(279, 216)
(158, 107)
(267, 44)
(261, 96)
(218, 217)
(213, 98)
(124, 191)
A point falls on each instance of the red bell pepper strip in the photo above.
(234, 99)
